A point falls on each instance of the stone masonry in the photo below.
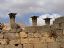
(47, 36)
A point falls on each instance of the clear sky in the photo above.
(27, 8)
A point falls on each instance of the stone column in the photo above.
(12, 20)
(47, 21)
(34, 20)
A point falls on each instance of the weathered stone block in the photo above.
(1, 36)
(63, 31)
(50, 40)
(20, 46)
(59, 32)
(61, 45)
(62, 25)
(55, 26)
(23, 34)
(13, 46)
(30, 35)
(28, 46)
(62, 39)
(31, 40)
(3, 41)
(34, 40)
(11, 36)
(17, 41)
(9, 46)
(33, 29)
(45, 28)
(40, 45)
(24, 40)
(53, 45)
(43, 39)
(45, 34)
(37, 35)
(2, 46)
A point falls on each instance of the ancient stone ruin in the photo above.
(47, 36)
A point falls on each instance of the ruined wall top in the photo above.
(59, 20)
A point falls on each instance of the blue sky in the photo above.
(27, 8)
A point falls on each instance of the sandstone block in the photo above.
(34, 40)
(24, 40)
(45, 34)
(53, 45)
(61, 45)
(62, 25)
(28, 46)
(23, 34)
(42, 39)
(1, 36)
(59, 39)
(30, 35)
(40, 45)
(50, 39)
(46, 39)
(9, 46)
(13, 46)
(2, 46)
(3, 41)
(63, 31)
(37, 35)
(12, 42)
(59, 32)
(11, 36)
(55, 26)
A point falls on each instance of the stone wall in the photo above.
(31, 39)
(34, 37)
